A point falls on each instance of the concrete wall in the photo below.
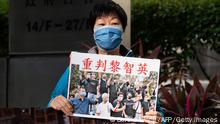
(32, 79)
(126, 5)
(3, 78)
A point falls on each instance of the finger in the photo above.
(59, 103)
(67, 104)
(150, 122)
(64, 102)
(153, 113)
(54, 104)
(153, 118)
(67, 110)
(64, 108)
(159, 119)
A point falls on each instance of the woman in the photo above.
(108, 21)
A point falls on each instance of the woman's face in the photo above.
(108, 34)
(111, 19)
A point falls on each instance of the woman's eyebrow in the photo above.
(114, 17)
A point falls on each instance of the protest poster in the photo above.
(112, 87)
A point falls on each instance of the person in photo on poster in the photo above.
(103, 84)
(138, 106)
(105, 107)
(118, 103)
(113, 87)
(129, 110)
(81, 103)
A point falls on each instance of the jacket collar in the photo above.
(123, 51)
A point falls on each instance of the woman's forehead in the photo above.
(110, 15)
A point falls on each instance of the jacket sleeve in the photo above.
(161, 111)
(61, 86)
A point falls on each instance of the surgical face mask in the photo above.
(83, 94)
(129, 96)
(108, 38)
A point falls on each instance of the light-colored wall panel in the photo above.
(126, 5)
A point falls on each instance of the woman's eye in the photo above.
(115, 23)
(101, 24)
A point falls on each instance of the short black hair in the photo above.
(107, 8)
(120, 93)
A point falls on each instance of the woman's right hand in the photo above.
(61, 103)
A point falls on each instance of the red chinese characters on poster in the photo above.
(115, 66)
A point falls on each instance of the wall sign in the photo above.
(49, 25)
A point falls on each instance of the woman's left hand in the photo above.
(152, 117)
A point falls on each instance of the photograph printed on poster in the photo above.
(97, 94)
